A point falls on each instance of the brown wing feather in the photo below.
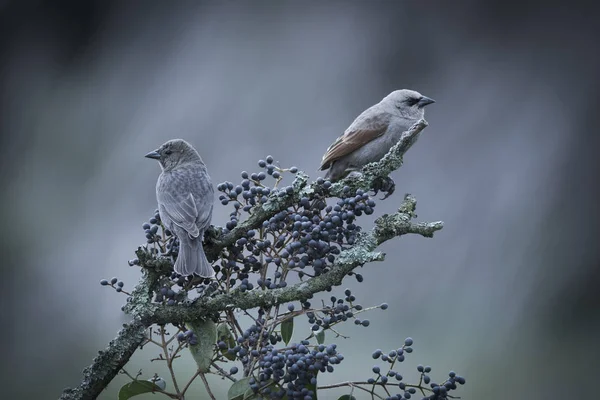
(352, 140)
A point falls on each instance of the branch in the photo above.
(381, 169)
(146, 313)
(357, 384)
(108, 363)
(280, 201)
(386, 228)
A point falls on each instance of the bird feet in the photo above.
(386, 185)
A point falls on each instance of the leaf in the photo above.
(346, 397)
(320, 336)
(224, 334)
(287, 329)
(203, 352)
(134, 388)
(237, 390)
(250, 395)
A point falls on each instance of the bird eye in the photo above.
(412, 101)
(167, 152)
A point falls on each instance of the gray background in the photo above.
(506, 294)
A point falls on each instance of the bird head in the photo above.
(408, 102)
(173, 153)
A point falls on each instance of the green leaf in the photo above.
(320, 336)
(224, 334)
(134, 388)
(287, 329)
(237, 390)
(204, 351)
(346, 397)
(250, 395)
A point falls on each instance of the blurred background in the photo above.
(507, 294)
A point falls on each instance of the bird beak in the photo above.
(153, 154)
(425, 101)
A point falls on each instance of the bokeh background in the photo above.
(507, 294)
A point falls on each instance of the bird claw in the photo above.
(386, 185)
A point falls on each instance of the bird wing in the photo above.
(182, 211)
(205, 213)
(361, 132)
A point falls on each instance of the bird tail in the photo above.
(192, 260)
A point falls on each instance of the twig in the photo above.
(357, 384)
(210, 393)
(169, 360)
(224, 373)
(189, 383)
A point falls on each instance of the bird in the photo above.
(185, 198)
(373, 133)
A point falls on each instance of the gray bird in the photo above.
(185, 203)
(373, 133)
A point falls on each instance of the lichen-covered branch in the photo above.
(145, 312)
(381, 169)
(386, 227)
(108, 363)
(260, 213)
(279, 202)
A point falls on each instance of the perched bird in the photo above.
(185, 203)
(373, 133)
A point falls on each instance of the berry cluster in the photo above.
(340, 310)
(168, 296)
(292, 372)
(251, 190)
(304, 238)
(440, 391)
(151, 228)
(163, 241)
(395, 355)
(257, 336)
(187, 337)
(114, 283)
